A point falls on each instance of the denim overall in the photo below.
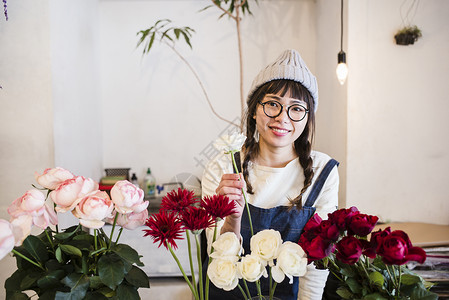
(290, 223)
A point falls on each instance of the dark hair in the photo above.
(303, 144)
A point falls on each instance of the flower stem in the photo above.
(200, 275)
(95, 239)
(49, 239)
(209, 261)
(247, 289)
(245, 296)
(192, 289)
(399, 279)
(27, 259)
(244, 195)
(112, 230)
(119, 234)
(189, 247)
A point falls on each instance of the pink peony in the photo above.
(6, 238)
(128, 198)
(52, 178)
(70, 192)
(93, 208)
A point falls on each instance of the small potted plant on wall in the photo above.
(408, 35)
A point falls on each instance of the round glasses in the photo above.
(295, 112)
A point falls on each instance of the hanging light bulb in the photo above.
(342, 68)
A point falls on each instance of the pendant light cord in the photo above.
(341, 32)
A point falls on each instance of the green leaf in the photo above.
(95, 282)
(58, 255)
(95, 296)
(377, 279)
(78, 283)
(375, 296)
(36, 248)
(29, 280)
(125, 291)
(137, 277)
(344, 293)
(347, 272)
(111, 270)
(353, 285)
(68, 233)
(52, 279)
(128, 254)
(409, 279)
(71, 250)
(13, 282)
(48, 295)
(16, 296)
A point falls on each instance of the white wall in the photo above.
(398, 150)
(154, 112)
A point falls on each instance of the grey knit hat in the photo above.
(288, 66)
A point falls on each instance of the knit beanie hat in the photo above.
(288, 66)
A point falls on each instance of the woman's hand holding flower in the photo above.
(231, 186)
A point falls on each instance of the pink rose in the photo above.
(349, 250)
(32, 200)
(21, 228)
(69, 193)
(361, 224)
(128, 198)
(52, 178)
(32, 204)
(6, 238)
(130, 221)
(93, 208)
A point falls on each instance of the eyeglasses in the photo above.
(295, 112)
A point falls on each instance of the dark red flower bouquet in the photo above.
(367, 268)
(183, 213)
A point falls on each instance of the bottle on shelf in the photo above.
(134, 180)
(149, 184)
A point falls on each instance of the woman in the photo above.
(286, 181)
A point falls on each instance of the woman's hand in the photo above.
(231, 185)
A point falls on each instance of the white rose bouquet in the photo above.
(269, 257)
(72, 263)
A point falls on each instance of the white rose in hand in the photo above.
(251, 267)
(292, 261)
(227, 244)
(70, 192)
(265, 244)
(93, 208)
(6, 238)
(222, 272)
(230, 143)
(128, 198)
(52, 178)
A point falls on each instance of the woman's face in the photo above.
(279, 132)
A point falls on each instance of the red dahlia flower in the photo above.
(196, 219)
(178, 201)
(218, 206)
(164, 228)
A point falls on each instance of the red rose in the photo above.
(316, 248)
(328, 231)
(396, 249)
(342, 216)
(313, 223)
(349, 250)
(361, 224)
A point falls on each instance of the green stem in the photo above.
(112, 230)
(119, 234)
(247, 289)
(49, 239)
(272, 291)
(192, 289)
(391, 276)
(95, 239)
(259, 290)
(399, 280)
(200, 273)
(27, 259)
(244, 196)
(189, 247)
(245, 296)
(209, 261)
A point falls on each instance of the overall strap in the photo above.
(319, 183)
